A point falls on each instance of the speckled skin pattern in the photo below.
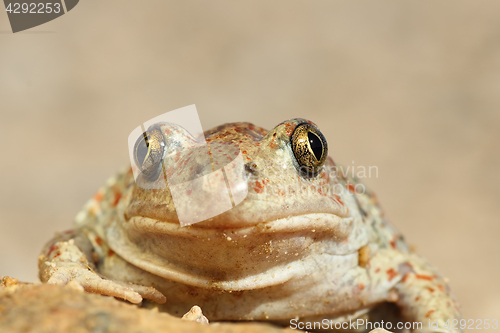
(296, 247)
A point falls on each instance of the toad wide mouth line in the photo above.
(278, 273)
(314, 222)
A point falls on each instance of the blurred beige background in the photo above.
(410, 87)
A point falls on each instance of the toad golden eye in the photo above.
(149, 151)
(310, 149)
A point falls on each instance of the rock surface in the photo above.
(44, 308)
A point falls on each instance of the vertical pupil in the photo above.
(142, 151)
(316, 145)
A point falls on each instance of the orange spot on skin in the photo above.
(393, 244)
(423, 277)
(377, 270)
(98, 196)
(405, 277)
(440, 287)
(430, 289)
(52, 248)
(417, 298)
(289, 128)
(99, 241)
(361, 286)
(428, 314)
(392, 273)
(258, 188)
(118, 196)
(351, 188)
(110, 253)
(272, 145)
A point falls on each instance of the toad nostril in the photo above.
(251, 169)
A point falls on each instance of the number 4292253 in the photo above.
(33, 8)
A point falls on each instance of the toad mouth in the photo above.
(235, 259)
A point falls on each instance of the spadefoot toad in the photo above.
(302, 246)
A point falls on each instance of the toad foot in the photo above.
(66, 263)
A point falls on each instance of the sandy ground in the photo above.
(412, 88)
